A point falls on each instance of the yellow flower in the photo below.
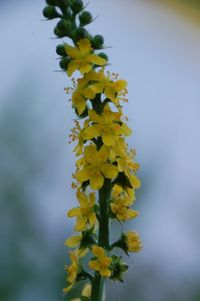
(125, 162)
(107, 125)
(73, 269)
(133, 242)
(73, 241)
(84, 213)
(95, 167)
(113, 90)
(82, 57)
(86, 292)
(77, 134)
(80, 95)
(120, 208)
(101, 263)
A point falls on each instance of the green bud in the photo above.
(77, 6)
(64, 63)
(88, 239)
(81, 33)
(64, 26)
(103, 55)
(58, 32)
(85, 18)
(97, 42)
(118, 268)
(60, 50)
(50, 12)
(51, 2)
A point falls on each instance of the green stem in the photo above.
(104, 196)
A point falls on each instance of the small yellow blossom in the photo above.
(125, 162)
(86, 292)
(94, 166)
(82, 57)
(120, 208)
(133, 241)
(101, 263)
(77, 135)
(85, 214)
(73, 269)
(107, 125)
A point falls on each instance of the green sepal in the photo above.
(85, 18)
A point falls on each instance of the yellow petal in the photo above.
(130, 213)
(73, 241)
(68, 288)
(82, 175)
(92, 199)
(92, 218)
(97, 60)
(109, 92)
(105, 272)
(73, 52)
(108, 139)
(74, 212)
(103, 153)
(84, 46)
(119, 85)
(72, 66)
(86, 292)
(82, 198)
(91, 132)
(98, 251)
(84, 67)
(95, 265)
(79, 102)
(135, 182)
(125, 130)
(81, 224)
(110, 171)
(96, 181)
(97, 87)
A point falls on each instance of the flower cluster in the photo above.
(105, 177)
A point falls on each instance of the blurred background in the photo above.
(156, 47)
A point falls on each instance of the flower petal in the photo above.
(95, 265)
(98, 251)
(73, 52)
(97, 60)
(72, 66)
(74, 212)
(105, 272)
(73, 241)
(110, 171)
(85, 67)
(84, 46)
(96, 181)
(81, 223)
(82, 175)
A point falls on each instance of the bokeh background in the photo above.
(156, 47)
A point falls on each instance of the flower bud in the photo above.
(64, 63)
(129, 242)
(58, 32)
(97, 42)
(50, 12)
(85, 18)
(60, 50)
(81, 33)
(64, 26)
(77, 6)
(118, 268)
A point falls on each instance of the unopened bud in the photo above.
(103, 55)
(77, 6)
(97, 42)
(50, 12)
(85, 18)
(60, 50)
(64, 63)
